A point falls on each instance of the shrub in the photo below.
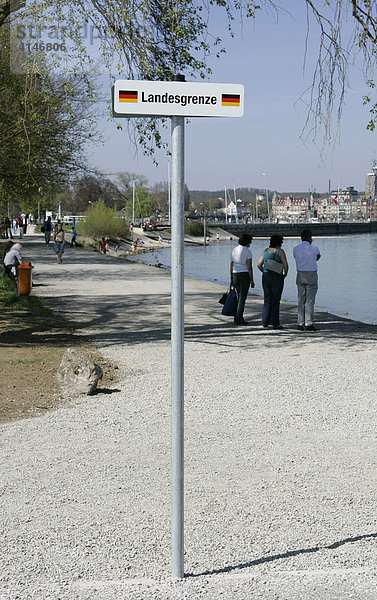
(102, 221)
(194, 228)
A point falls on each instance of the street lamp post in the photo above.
(226, 206)
(268, 205)
(204, 224)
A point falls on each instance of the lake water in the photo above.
(347, 271)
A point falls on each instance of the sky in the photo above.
(267, 57)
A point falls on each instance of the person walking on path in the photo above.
(272, 281)
(47, 230)
(59, 242)
(21, 227)
(241, 274)
(24, 223)
(74, 236)
(306, 256)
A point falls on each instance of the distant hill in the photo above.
(244, 194)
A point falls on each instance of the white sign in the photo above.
(176, 98)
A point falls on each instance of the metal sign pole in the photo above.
(177, 341)
(133, 204)
(177, 100)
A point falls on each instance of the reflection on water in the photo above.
(347, 271)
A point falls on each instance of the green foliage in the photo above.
(43, 132)
(150, 39)
(194, 228)
(102, 221)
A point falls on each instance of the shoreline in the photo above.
(136, 258)
(318, 308)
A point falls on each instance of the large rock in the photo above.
(77, 374)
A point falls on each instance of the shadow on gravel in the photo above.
(138, 319)
(104, 391)
(289, 554)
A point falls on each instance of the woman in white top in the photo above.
(241, 274)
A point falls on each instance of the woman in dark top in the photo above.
(48, 228)
(272, 282)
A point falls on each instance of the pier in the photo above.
(294, 229)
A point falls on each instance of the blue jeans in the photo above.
(273, 284)
(241, 282)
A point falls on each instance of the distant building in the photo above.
(371, 183)
(343, 204)
(231, 209)
(288, 208)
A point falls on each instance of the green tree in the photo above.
(145, 204)
(43, 133)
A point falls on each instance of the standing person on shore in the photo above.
(241, 274)
(272, 281)
(47, 230)
(306, 256)
(59, 242)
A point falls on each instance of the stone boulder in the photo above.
(77, 374)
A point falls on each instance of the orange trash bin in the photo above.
(24, 278)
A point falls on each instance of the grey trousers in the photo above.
(307, 286)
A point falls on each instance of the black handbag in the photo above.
(230, 306)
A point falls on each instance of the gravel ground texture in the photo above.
(280, 452)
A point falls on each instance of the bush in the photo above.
(194, 228)
(102, 221)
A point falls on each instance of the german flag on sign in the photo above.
(125, 96)
(230, 99)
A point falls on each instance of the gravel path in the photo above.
(281, 456)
